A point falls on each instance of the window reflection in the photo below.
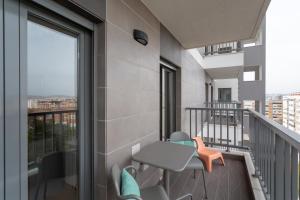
(52, 113)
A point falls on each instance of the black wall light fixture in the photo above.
(140, 37)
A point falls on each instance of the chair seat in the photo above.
(195, 163)
(213, 154)
(154, 193)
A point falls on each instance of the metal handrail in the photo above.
(221, 48)
(288, 135)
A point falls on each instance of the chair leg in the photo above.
(222, 160)
(205, 190)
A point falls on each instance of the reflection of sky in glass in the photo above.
(52, 62)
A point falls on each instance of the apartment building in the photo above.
(236, 68)
(136, 71)
(274, 110)
(291, 112)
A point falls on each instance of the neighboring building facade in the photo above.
(291, 112)
(274, 110)
(237, 69)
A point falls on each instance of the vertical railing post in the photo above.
(294, 174)
(279, 168)
(201, 124)
(220, 116)
(287, 171)
(239, 46)
(44, 134)
(234, 127)
(268, 158)
(53, 127)
(242, 128)
(272, 191)
(190, 123)
(34, 136)
(207, 121)
(256, 147)
(196, 122)
(227, 124)
(61, 139)
(214, 116)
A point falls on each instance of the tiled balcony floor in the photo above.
(223, 183)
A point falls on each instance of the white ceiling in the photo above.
(196, 23)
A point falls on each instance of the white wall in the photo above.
(223, 60)
(226, 83)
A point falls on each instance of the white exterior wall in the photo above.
(226, 83)
(223, 60)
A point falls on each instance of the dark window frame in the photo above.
(14, 185)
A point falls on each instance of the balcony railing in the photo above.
(227, 47)
(223, 104)
(275, 151)
(221, 127)
(274, 148)
(50, 131)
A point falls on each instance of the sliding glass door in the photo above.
(167, 101)
(58, 81)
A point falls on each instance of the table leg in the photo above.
(167, 181)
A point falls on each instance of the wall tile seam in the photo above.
(133, 91)
(130, 34)
(141, 65)
(113, 56)
(156, 91)
(143, 19)
(130, 143)
(116, 88)
(129, 116)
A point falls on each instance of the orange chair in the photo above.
(207, 155)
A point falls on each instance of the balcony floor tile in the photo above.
(223, 183)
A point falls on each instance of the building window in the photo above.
(249, 76)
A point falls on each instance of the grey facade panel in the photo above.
(170, 48)
(192, 77)
(12, 109)
(255, 60)
(96, 7)
(1, 106)
(131, 89)
(256, 88)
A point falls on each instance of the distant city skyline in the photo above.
(282, 47)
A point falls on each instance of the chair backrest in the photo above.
(116, 176)
(53, 166)
(200, 143)
(179, 136)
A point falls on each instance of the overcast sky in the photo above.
(52, 62)
(283, 46)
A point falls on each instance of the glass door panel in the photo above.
(168, 102)
(52, 73)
